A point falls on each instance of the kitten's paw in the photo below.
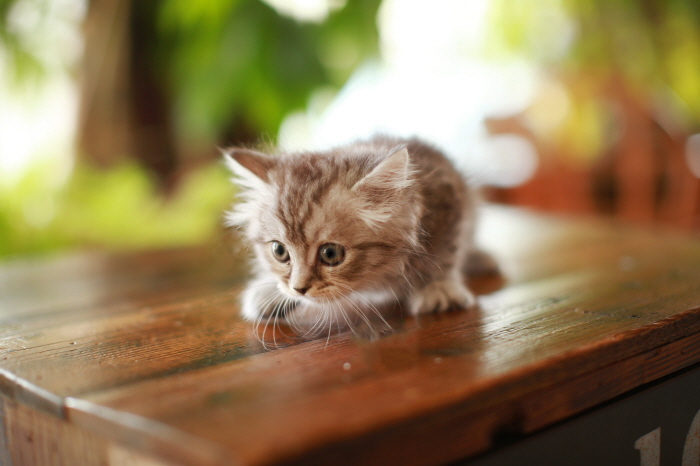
(262, 298)
(440, 296)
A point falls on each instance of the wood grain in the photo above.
(31, 438)
(148, 350)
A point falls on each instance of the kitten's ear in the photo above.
(249, 164)
(394, 172)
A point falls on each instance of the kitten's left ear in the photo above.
(394, 172)
(249, 164)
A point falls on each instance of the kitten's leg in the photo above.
(262, 298)
(447, 291)
(480, 262)
(442, 295)
(451, 292)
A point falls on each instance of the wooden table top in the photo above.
(148, 350)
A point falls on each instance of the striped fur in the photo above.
(402, 213)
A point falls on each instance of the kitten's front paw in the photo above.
(441, 295)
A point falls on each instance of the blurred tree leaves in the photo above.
(223, 62)
(156, 76)
(118, 209)
(170, 80)
(234, 62)
(629, 78)
(651, 49)
(20, 57)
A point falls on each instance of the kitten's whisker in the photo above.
(343, 313)
(369, 304)
(256, 324)
(396, 298)
(259, 335)
(259, 319)
(318, 323)
(267, 322)
(426, 256)
(292, 320)
(266, 305)
(268, 302)
(329, 325)
(274, 330)
(355, 307)
(376, 311)
(358, 311)
(256, 330)
(261, 284)
(278, 325)
(347, 319)
(404, 274)
(337, 324)
(280, 307)
(326, 318)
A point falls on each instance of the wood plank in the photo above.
(586, 311)
(91, 282)
(659, 424)
(33, 438)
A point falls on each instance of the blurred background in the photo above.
(112, 113)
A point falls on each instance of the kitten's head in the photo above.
(327, 224)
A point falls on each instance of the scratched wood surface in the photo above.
(148, 352)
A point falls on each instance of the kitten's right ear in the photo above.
(392, 174)
(249, 164)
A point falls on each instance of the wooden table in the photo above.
(142, 359)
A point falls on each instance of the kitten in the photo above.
(361, 225)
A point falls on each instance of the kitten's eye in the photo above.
(331, 254)
(279, 251)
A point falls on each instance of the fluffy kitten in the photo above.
(340, 232)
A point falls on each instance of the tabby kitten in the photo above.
(338, 233)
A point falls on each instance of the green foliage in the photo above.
(24, 208)
(117, 209)
(225, 64)
(239, 62)
(23, 62)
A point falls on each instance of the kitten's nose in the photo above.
(302, 290)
